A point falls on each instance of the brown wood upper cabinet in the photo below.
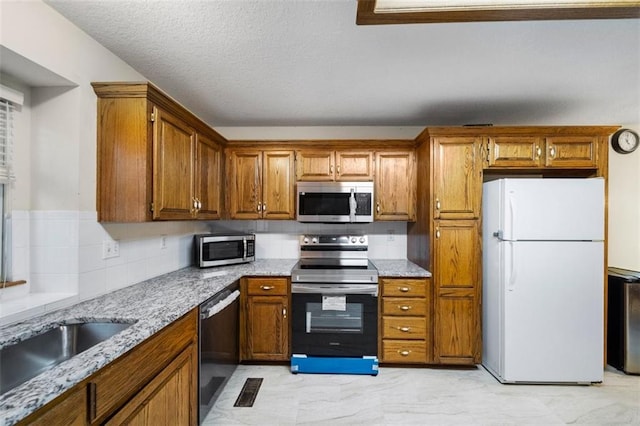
(395, 187)
(523, 152)
(156, 160)
(457, 177)
(340, 165)
(260, 184)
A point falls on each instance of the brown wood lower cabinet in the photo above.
(154, 383)
(264, 319)
(167, 399)
(405, 321)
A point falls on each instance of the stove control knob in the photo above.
(314, 240)
(362, 239)
(306, 240)
(353, 240)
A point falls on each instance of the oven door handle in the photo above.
(345, 289)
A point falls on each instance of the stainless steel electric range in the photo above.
(334, 292)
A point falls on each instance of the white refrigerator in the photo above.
(543, 280)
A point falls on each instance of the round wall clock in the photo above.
(625, 141)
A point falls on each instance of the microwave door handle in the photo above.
(352, 206)
(244, 249)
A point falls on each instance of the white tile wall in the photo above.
(279, 238)
(59, 253)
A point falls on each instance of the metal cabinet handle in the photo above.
(378, 207)
(437, 204)
(266, 287)
(404, 289)
(538, 152)
(331, 169)
(552, 151)
(437, 232)
(93, 406)
(264, 207)
(259, 206)
(404, 308)
(284, 312)
(338, 169)
(404, 353)
(404, 329)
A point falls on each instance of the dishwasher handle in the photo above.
(210, 309)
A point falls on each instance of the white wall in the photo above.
(624, 208)
(57, 242)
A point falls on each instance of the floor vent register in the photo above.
(248, 393)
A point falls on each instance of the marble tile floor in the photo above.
(421, 396)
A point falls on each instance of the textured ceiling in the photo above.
(306, 63)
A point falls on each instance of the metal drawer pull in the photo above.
(266, 287)
(404, 308)
(404, 353)
(404, 289)
(404, 329)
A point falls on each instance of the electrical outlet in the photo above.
(163, 241)
(390, 235)
(110, 248)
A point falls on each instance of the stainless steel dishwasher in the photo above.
(217, 345)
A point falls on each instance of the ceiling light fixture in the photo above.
(373, 12)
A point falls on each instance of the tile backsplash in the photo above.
(61, 253)
(279, 239)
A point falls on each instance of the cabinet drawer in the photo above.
(404, 287)
(404, 328)
(404, 351)
(267, 286)
(404, 306)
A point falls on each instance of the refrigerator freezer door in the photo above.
(553, 312)
(552, 209)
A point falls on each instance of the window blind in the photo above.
(6, 141)
(9, 99)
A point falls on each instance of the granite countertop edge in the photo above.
(150, 305)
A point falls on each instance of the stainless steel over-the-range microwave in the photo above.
(333, 202)
(224, 249)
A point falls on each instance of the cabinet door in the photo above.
(457, 273)
(245, 184)
(315, 165)
(169, 399)
(395, 185)
(514, 152)
(267, 334)
(457, 179)
(354, 165)
(207, 178)
(173, 145)
(278, 185)
(571, 152)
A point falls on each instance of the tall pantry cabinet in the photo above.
(445, 239)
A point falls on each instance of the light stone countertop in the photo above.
(151, 305)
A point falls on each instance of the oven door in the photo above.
(334, 320)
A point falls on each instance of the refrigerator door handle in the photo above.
(512, 274)
(512, 214)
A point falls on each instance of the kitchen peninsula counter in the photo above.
(150, 305)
